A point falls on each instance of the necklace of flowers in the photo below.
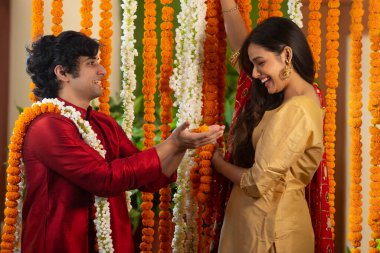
(186, 83)
(294, 11)
(263, 10)
(15, 180)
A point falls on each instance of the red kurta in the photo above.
(63, 173)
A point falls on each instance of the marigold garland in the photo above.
(166, 70)
(37, 31)
(263, 10)
(105, 34)
(56, 16)
(245, 8)
(86, 15)
(211, 115)
(15, 185)
(355, 121)
(149, 89)
(275, 8)
(314, 32)
(374, 109)
(331, 76)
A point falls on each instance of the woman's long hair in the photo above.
(273, 34)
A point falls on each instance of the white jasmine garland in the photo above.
(128, 67)
(294, 11)
(102, 219)
(186, 83)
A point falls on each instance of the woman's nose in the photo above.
(255, 73)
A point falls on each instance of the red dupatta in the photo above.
(316, 191)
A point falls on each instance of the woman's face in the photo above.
(267, 67)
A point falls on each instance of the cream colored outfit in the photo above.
(268, 211)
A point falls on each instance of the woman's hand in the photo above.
(216, 158)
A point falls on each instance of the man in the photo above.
(63, 173)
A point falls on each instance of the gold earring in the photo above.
(286, 72)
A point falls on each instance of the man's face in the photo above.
(87, 84)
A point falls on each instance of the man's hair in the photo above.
(49, 51)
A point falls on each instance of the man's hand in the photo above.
(184, 139)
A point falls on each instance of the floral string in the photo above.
(355, 122)
(263, 10)
(245, 8)
(210, 117)
(56, 17)
(16, 184)
(85, 13)
(149, 89)
(275, 8)
(105, 34)
(37, 31)
(186, 83)
(128, 67)
(294, 11)
(374, 109)
(331, 76)
(314, 32)
(166, 70)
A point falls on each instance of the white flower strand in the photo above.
(186, 83)
(128, 67)
(102, 220)
(128, 52)
(294, 11)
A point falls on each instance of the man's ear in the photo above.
(60, 73)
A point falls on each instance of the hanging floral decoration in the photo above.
(15, 185)
(149, 89)
(275, 8)
(105, 34)
(86, 15)
(314, 32)
(128, 53)
(332, 72)
(166, 70)
(128, 67)
(374, 109)
(245, 8)
(37, 31)
(355, 122)
(186, 83)
(56, 16)
(263, 10)
(294, 11)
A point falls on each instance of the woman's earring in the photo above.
(286, 72)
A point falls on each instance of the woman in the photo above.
(276, 144)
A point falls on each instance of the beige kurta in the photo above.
(269, 209)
